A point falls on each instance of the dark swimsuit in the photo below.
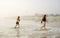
(43, 20)
(17, 22)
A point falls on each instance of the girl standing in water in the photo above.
(44, 22)
(17, 21)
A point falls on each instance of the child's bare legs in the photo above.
(44, 25)
(17, 25)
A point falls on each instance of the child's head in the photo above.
(45, 15)
(18, 16)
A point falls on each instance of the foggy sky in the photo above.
(28, 7)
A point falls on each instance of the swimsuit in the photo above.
(17, 22)
(43, 20)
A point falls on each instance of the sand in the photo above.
(28, 29)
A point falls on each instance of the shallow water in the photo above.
(28, 29)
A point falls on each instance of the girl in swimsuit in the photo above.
(17, 22)
(44, 22)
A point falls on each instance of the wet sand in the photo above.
(28, 29)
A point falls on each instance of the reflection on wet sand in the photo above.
(17, 32)
(38, 35)
(58, 37)
(44, 35)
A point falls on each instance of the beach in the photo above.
(30, 28)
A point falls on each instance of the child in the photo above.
(17, 22)
(44, 22)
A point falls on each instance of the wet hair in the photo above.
(44, 15)
(18, 16)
